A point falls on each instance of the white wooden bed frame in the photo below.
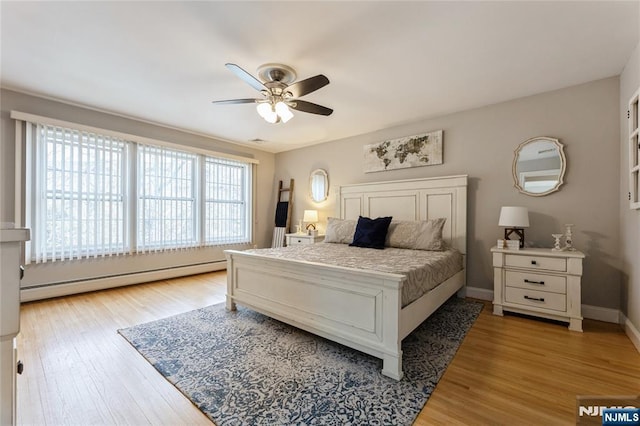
(357, 308)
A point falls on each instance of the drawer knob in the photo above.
(533, 262)
(537, 299)
(533, 282)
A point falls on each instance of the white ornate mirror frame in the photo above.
(319, 185)
(539, 165)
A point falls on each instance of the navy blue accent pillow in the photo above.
(371, 233)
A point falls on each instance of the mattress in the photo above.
(424, 269)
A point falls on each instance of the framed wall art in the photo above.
(411, 151)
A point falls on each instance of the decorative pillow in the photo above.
(430, 235)
(371, 233)
(402, 234)
(417, 235)
(339, 230)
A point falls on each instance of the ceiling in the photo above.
(389, 63)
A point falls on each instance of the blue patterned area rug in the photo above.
(243, 368)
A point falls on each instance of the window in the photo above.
(101, 195)
(166, 198)
(79, 194)
(226, 201)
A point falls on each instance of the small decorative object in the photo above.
(424, 149)
(568, 238)
(500, 244)
(311, 217)
(556, 245)
(513, 244)
(514, 219)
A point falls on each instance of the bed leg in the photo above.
(231, 305)
(392, 366)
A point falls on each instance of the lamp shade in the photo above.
(310, 216)
(517, 217)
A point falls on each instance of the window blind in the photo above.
(89, 194)
(166, 199)
(226, 201)
(79, 195)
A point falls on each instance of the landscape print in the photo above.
(411, 151)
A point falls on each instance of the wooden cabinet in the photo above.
(633, 114)
(540, 282)
(296, 239)
(10, 247)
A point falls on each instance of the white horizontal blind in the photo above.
(227, 207)
(79, 195)
(166, 199)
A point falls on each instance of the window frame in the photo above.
(25, 159)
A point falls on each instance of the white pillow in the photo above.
(417, 235)
(340, 230)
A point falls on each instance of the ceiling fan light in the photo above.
(264, 109)
(267, 112)
(272, 118)
(284, 112)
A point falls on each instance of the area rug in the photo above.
(243, 368)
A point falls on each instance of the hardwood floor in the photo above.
(509, 370)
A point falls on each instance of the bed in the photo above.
(361, 309)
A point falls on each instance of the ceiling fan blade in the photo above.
(308, 85)
(236, 101)
(246, 77)
(312, 108)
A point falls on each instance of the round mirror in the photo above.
(538, 166)
(319, 185)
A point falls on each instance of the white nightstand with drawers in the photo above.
(295, 239)
(539, 282)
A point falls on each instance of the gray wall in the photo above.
(480, 143)
(629, 219)
(91, 268)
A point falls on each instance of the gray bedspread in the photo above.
(424, 269)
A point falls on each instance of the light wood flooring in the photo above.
(509, 370)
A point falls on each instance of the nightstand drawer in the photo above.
(539, 299)
(300, 240)
(539, 282)
(536, 262)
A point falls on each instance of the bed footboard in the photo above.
(359, 309)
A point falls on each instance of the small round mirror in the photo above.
(538, 166)
(319, 185)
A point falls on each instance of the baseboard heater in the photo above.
(47, 291)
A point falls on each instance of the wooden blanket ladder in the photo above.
(283, 213)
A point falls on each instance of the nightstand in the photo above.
(539, 282)
(296, 239)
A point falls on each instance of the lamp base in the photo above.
(519, 233)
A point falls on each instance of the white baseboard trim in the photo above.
(57, 290)
(631, 331)
(601, 314)
(479, 293)
(588, 311)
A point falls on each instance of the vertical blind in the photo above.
(98, 195)
(166, 199)
(79, 195)
(226, 201)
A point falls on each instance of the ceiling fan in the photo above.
(279, 92)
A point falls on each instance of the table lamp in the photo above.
(514, 219)
(311, 217)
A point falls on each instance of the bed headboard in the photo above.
(412, 199)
